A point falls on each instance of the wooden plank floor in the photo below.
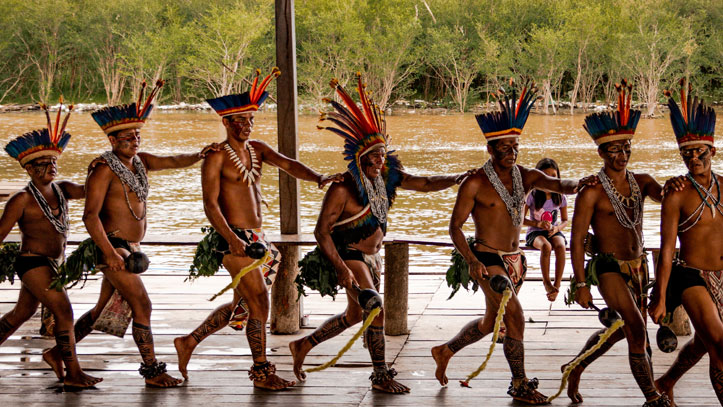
(218, 370)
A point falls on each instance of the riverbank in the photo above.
(399, 107)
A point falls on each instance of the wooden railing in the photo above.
(396, 272)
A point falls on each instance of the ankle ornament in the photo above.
(152, 370)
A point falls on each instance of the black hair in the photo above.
(114, 133)
(493, 143)
(541, 196)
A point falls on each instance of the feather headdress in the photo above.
(511, 118)
(616, 125)
(693, 122)
(50, 141)
(244, 102)
(363, 130)
(132, 116)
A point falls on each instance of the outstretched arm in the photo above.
(12, 213)
(295, 168)
(331, 209)
(72, 190)
(463, 207)
(432, 183)
(156, 163)
(540, 180)
(211, 186)
(670, 215)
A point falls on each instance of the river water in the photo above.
(426, 144)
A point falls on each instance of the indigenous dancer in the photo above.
(41, 211)
(495, 198)
(352, 224)
(695, 216)
(232, 200)
(619, 268)
(115, 216)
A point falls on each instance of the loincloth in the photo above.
(683, 277)
(317, 273)
(23, 264)
(213, 247)
(513, 263)
(634, 273)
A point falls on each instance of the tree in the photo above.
(220, 46)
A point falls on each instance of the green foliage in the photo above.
(317, 273)
(207, 259)
(458, 273)
(446, 50)
(591, 278)
(8, 253)
(81, 263)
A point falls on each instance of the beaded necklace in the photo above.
(377, 194)
(137, 182)
(705, 195)
(619, 207)
(60, 222)
(514, 202)
(248, 174)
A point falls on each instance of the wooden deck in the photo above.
(218, 370)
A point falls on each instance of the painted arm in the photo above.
(463, 207)
(332, 208)
(211, 186)
(12, 213)
(581, 219)
(670, 215)
(97, 186)
(295, 168)
(156, 163)
(72, 190)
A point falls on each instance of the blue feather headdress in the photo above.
(693, 122)
(245, 102)
(617, 125)
(129, 116)
(50, 141)
(511, 119)
(363, 130)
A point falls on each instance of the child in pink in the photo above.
(548, 217)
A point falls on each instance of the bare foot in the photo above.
(526, 392)
(81, 381)
(163, 380)
(573, 383)
(184, 349)
(55, 361)
(299, 348)
(391, 386)
(441, 355)
(665, 388)
(273, 382)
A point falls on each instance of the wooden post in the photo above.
(396, 288)
(284, 307)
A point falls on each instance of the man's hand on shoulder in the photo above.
(96, 161)
(675, 184)
(588, 181)
(211, 148)
(335, 178)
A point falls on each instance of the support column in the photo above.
(284, 306)
(396, 288)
